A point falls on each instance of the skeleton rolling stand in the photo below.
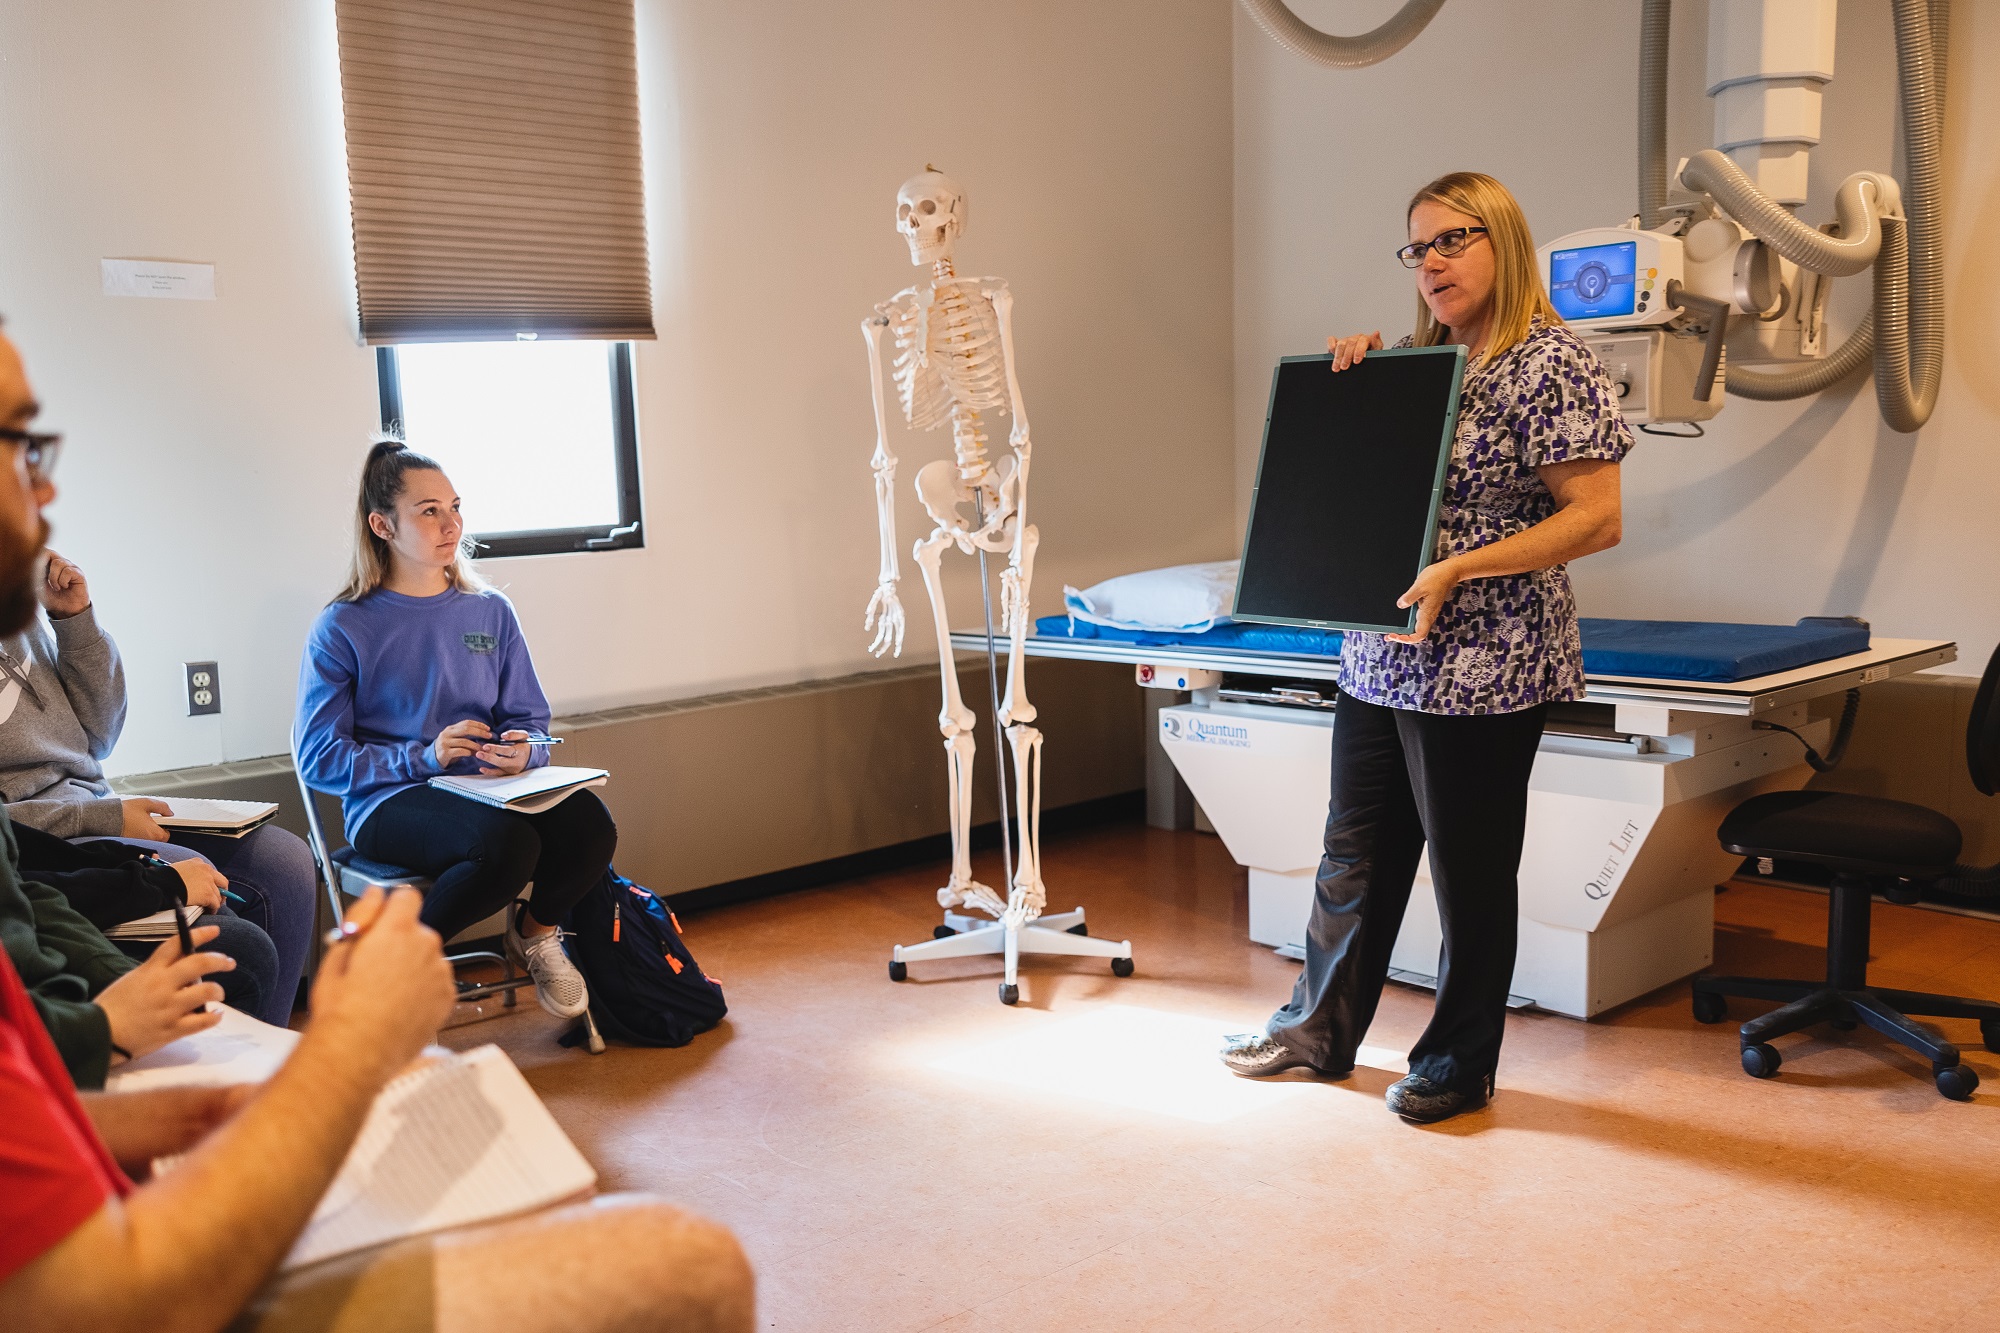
(955, 359)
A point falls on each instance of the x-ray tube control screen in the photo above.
(1595, 281)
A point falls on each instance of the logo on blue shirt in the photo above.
(481, 643)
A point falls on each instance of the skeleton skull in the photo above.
(930, 212)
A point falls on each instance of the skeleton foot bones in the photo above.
(953, 362)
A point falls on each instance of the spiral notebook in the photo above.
(527, 793)
(225, 819)
(457, 1140)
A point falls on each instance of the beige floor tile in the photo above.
(1628, 1176)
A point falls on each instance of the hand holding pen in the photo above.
(383, 987)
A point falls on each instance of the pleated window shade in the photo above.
(493, 163)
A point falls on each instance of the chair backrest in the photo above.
(329, 873)
(1982, 732)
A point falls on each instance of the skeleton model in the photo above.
(954, 360)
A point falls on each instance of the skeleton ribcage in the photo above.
(963, 366)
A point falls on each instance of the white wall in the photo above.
(213, 446)
(1786, 509)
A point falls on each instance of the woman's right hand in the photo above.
(204, 883)
(459, 741)
(1350, 349)
(165, 997)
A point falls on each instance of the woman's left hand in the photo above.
(1428, 594)
(502, 759)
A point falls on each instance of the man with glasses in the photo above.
(62, 707)
(84, 1247)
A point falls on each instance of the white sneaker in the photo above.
(559, 987)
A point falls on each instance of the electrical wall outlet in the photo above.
(204, 688)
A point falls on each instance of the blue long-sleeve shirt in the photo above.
(384, 675)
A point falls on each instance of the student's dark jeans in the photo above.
(273, 887)
(252, 986)
(1403, 780)
(479, 857)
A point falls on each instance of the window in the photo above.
(539, 437)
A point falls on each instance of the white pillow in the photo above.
(1184, 597)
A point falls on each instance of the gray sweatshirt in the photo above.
(62, 705)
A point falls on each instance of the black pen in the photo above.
(179, 908)
(181, 925)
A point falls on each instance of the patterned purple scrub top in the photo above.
(1509, 642)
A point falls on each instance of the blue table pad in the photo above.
(1710, 650)
(1663, 649)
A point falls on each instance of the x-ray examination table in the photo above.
(1619, 869)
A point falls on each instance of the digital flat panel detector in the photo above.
(1348, 485)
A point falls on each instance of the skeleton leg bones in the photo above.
(956, 721)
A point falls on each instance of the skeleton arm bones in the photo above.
(885, 610)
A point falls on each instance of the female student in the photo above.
(1438, 728)
(416, 669)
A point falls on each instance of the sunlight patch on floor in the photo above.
(1144, 1059)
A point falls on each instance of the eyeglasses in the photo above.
(38, 451)
(1450, 244)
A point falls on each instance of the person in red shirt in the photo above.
(82, 1247)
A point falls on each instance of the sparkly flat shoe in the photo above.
(1255, 1055)
(1418, 1099)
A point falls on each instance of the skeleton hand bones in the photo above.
(885, 617)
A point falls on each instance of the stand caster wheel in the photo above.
(1761, 1061)
(898, 971)
(942, 932)
(1989, 1033)
(1121, 967)
(1080, 928)
(1710, 1007)
(1009, 994)
(1957, 1082)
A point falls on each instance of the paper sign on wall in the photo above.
(157, 278)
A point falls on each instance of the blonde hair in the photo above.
(382, 486)
(1518, 298)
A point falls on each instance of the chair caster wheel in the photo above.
(1121, 967)
(1842, 1024)
(1710, 1007)
(1009, 994)
(1989, 1034)
(1761, 1061)
(898, 971)
(942, 932)
(1957, 1082)
(1079, 929)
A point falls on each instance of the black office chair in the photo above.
(1868, 843)
(348, 874)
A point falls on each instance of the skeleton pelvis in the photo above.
(946, 496)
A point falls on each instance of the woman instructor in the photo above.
(1436, 730)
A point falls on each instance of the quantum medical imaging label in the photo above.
(1593, 281)
(1197, 731)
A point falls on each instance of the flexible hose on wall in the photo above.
(1909, 356)
(1655, 26)
(1712, 173)
(1908, 256)
(1301, 38)
(1808, 378)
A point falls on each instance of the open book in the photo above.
(459, 1139)
(158, 926)
(238, 1049)
(528, 793)
(228, 819)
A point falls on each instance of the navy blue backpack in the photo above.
(645, 987)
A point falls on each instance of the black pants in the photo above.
(479, 857)
(1401, 780)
